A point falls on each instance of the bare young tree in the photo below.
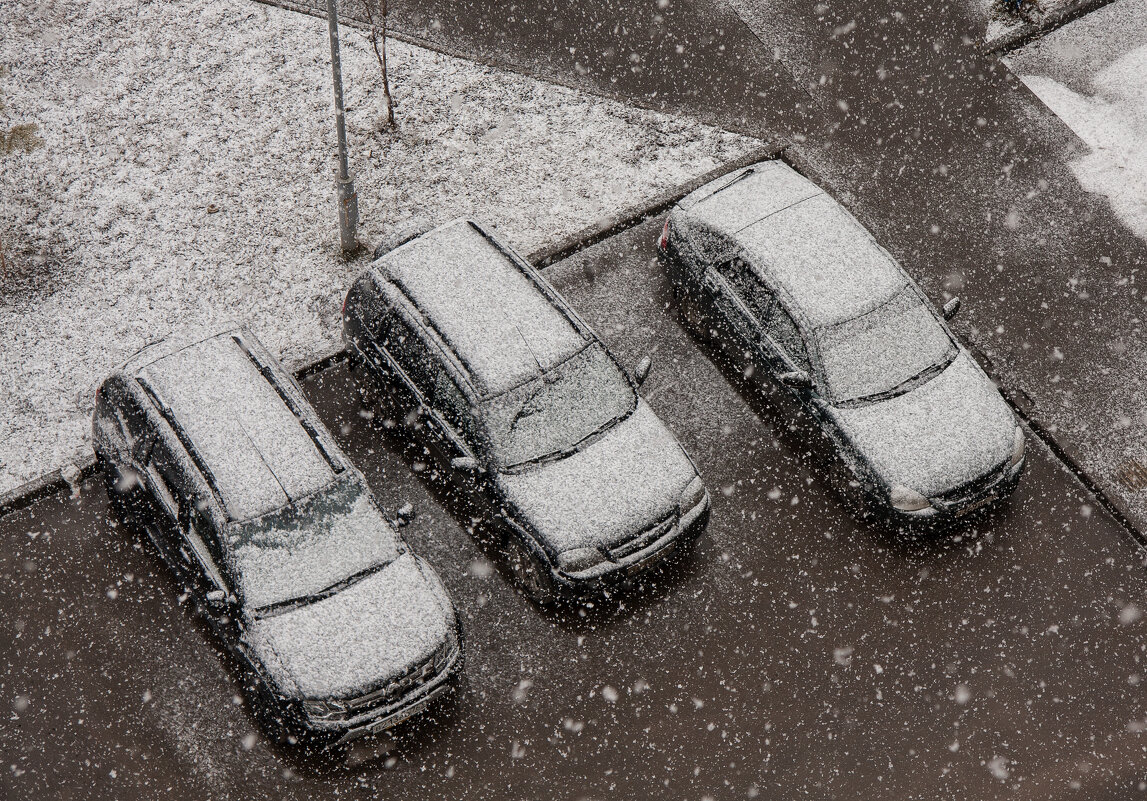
(19, 137)
(376, 11)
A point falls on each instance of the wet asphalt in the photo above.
(955, 166)
(793, 654)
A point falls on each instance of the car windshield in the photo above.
(309, 548)
(886, 352)
(552, 415)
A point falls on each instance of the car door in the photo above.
(164, 484)
(418, 373)
(788, 352)
(709, 248)
(458, 440)
(732, 277)
(204, 541)
(397, 356)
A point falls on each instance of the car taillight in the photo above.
(343, 311)
(664, 242)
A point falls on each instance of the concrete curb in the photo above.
(477, 58)
(635, 215)
(1031, 31)
(72, 474)
(48, 484)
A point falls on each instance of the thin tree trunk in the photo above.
(380, 52)
(385, 74)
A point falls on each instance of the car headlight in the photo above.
(1018, 442)
(907, 500)
(324, 710)
(692, 495)
(578, 559)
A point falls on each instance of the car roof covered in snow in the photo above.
(502, 326)
(804, 241)
(259, 454)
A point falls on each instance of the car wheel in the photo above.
(536, 581)
(691, 315)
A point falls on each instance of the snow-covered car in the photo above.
(210, 448)
(525, 410)
(763, 260)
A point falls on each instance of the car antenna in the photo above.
(534, 356)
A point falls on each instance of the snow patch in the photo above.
(187, 176)
(1113, 123)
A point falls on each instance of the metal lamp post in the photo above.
(344, 184)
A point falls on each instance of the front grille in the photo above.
(401, 685)
(968, 492)
(643, 540)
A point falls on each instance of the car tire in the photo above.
(535, 580)
(695, 320)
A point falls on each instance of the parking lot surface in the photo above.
(795, 654)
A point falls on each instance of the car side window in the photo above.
(162, 470)
(410, 351)
(133, 422)
(712, 248)
(785, 334)
(748, 286)
(453, 406)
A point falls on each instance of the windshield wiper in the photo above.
(571, 449)
(279, 607)
(905, 386)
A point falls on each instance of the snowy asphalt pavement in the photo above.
(794, 655)
(957, 167)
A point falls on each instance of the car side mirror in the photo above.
(217, 600)
(404, 515)
(796, 379)
(641, 372)
(951, 308)
(466, 464)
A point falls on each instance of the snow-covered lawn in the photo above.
(187, 177)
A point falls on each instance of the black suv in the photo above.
(526, 409)
(210, 448)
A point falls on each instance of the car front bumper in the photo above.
(945, 512)
(333, 733)
(619, 571)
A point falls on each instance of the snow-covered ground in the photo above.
(186, 177)
(1093, 75)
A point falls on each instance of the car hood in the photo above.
(606, 493)
(940, 435)
(357, 639)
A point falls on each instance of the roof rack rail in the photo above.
(265, 370)
(184, 440)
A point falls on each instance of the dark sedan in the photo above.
(767, 263)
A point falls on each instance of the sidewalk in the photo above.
(1092, 74)
(187, 176)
